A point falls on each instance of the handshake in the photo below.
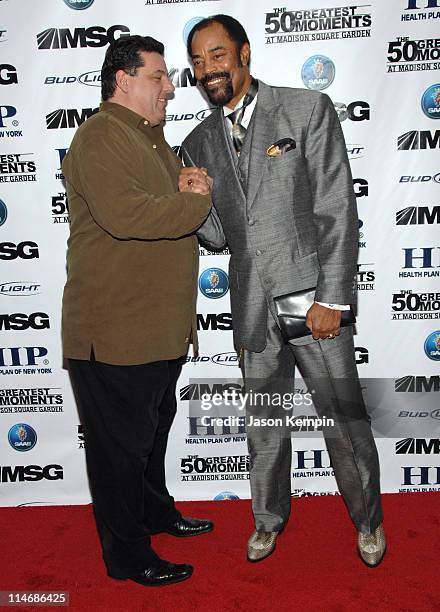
(195, 180)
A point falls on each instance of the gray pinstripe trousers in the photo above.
(329, 367)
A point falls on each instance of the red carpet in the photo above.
(315, 566)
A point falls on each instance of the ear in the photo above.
(245, 54)
(121, 80)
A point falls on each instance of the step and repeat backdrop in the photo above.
(380, 64)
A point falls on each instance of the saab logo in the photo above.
(427, 257)
(70, 118)
(3, 213)
(30, 473)
(362, 355)
(214, 283)
(8, 74)
(355, 151)
(425, 178)
(226, 359)
(195, 391)
(23, 250)
(182, 77)
(417, 384)
(199, 116)
(431, 101)
(418, 215)
(189, 26)
(360, 187)
(312, 459)
(78, 5)
(418, 140)
(226, 495)
(215, 322)
(361, 234)
(432, 346)
(19, 288)
(414, 446)
(22, 437)
(318, 72)
(356, 111)
(422, 475)
(20, 321)
(94, 36)
(22, 355)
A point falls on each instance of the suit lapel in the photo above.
(263, 125)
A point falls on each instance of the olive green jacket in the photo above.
(132, 258)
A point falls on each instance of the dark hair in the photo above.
(234, 29)
(123, 54)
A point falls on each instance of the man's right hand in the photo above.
(195, 180)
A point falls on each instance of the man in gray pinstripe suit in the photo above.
(290, 222)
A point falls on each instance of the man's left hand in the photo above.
(323, 322)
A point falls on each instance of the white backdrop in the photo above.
(385, 56)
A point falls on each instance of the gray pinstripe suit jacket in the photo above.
(290, 221)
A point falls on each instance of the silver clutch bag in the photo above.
(292, 310)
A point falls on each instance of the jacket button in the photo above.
(251, 221)
(258, 252)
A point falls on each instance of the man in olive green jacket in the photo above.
(129, 304)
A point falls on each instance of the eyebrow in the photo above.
(211, 50)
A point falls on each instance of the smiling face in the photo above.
(220, 68)
(148, 91)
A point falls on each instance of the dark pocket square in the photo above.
(281, 146)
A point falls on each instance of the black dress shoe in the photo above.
(163, 573)
(186, 527)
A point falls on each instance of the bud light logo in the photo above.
(214, 283)
(22, 437)
(92, 78)
(189, 26)
(431, 102)
(79, 5)
(19, 288)
(226, 495)
(3, 212)
(226, 359)
(318, 72)
(432, 346)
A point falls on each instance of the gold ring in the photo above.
(331, 336)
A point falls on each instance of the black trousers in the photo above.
(127, 412)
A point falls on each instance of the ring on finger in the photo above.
(190, 182)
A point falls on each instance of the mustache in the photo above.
(214, 75)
